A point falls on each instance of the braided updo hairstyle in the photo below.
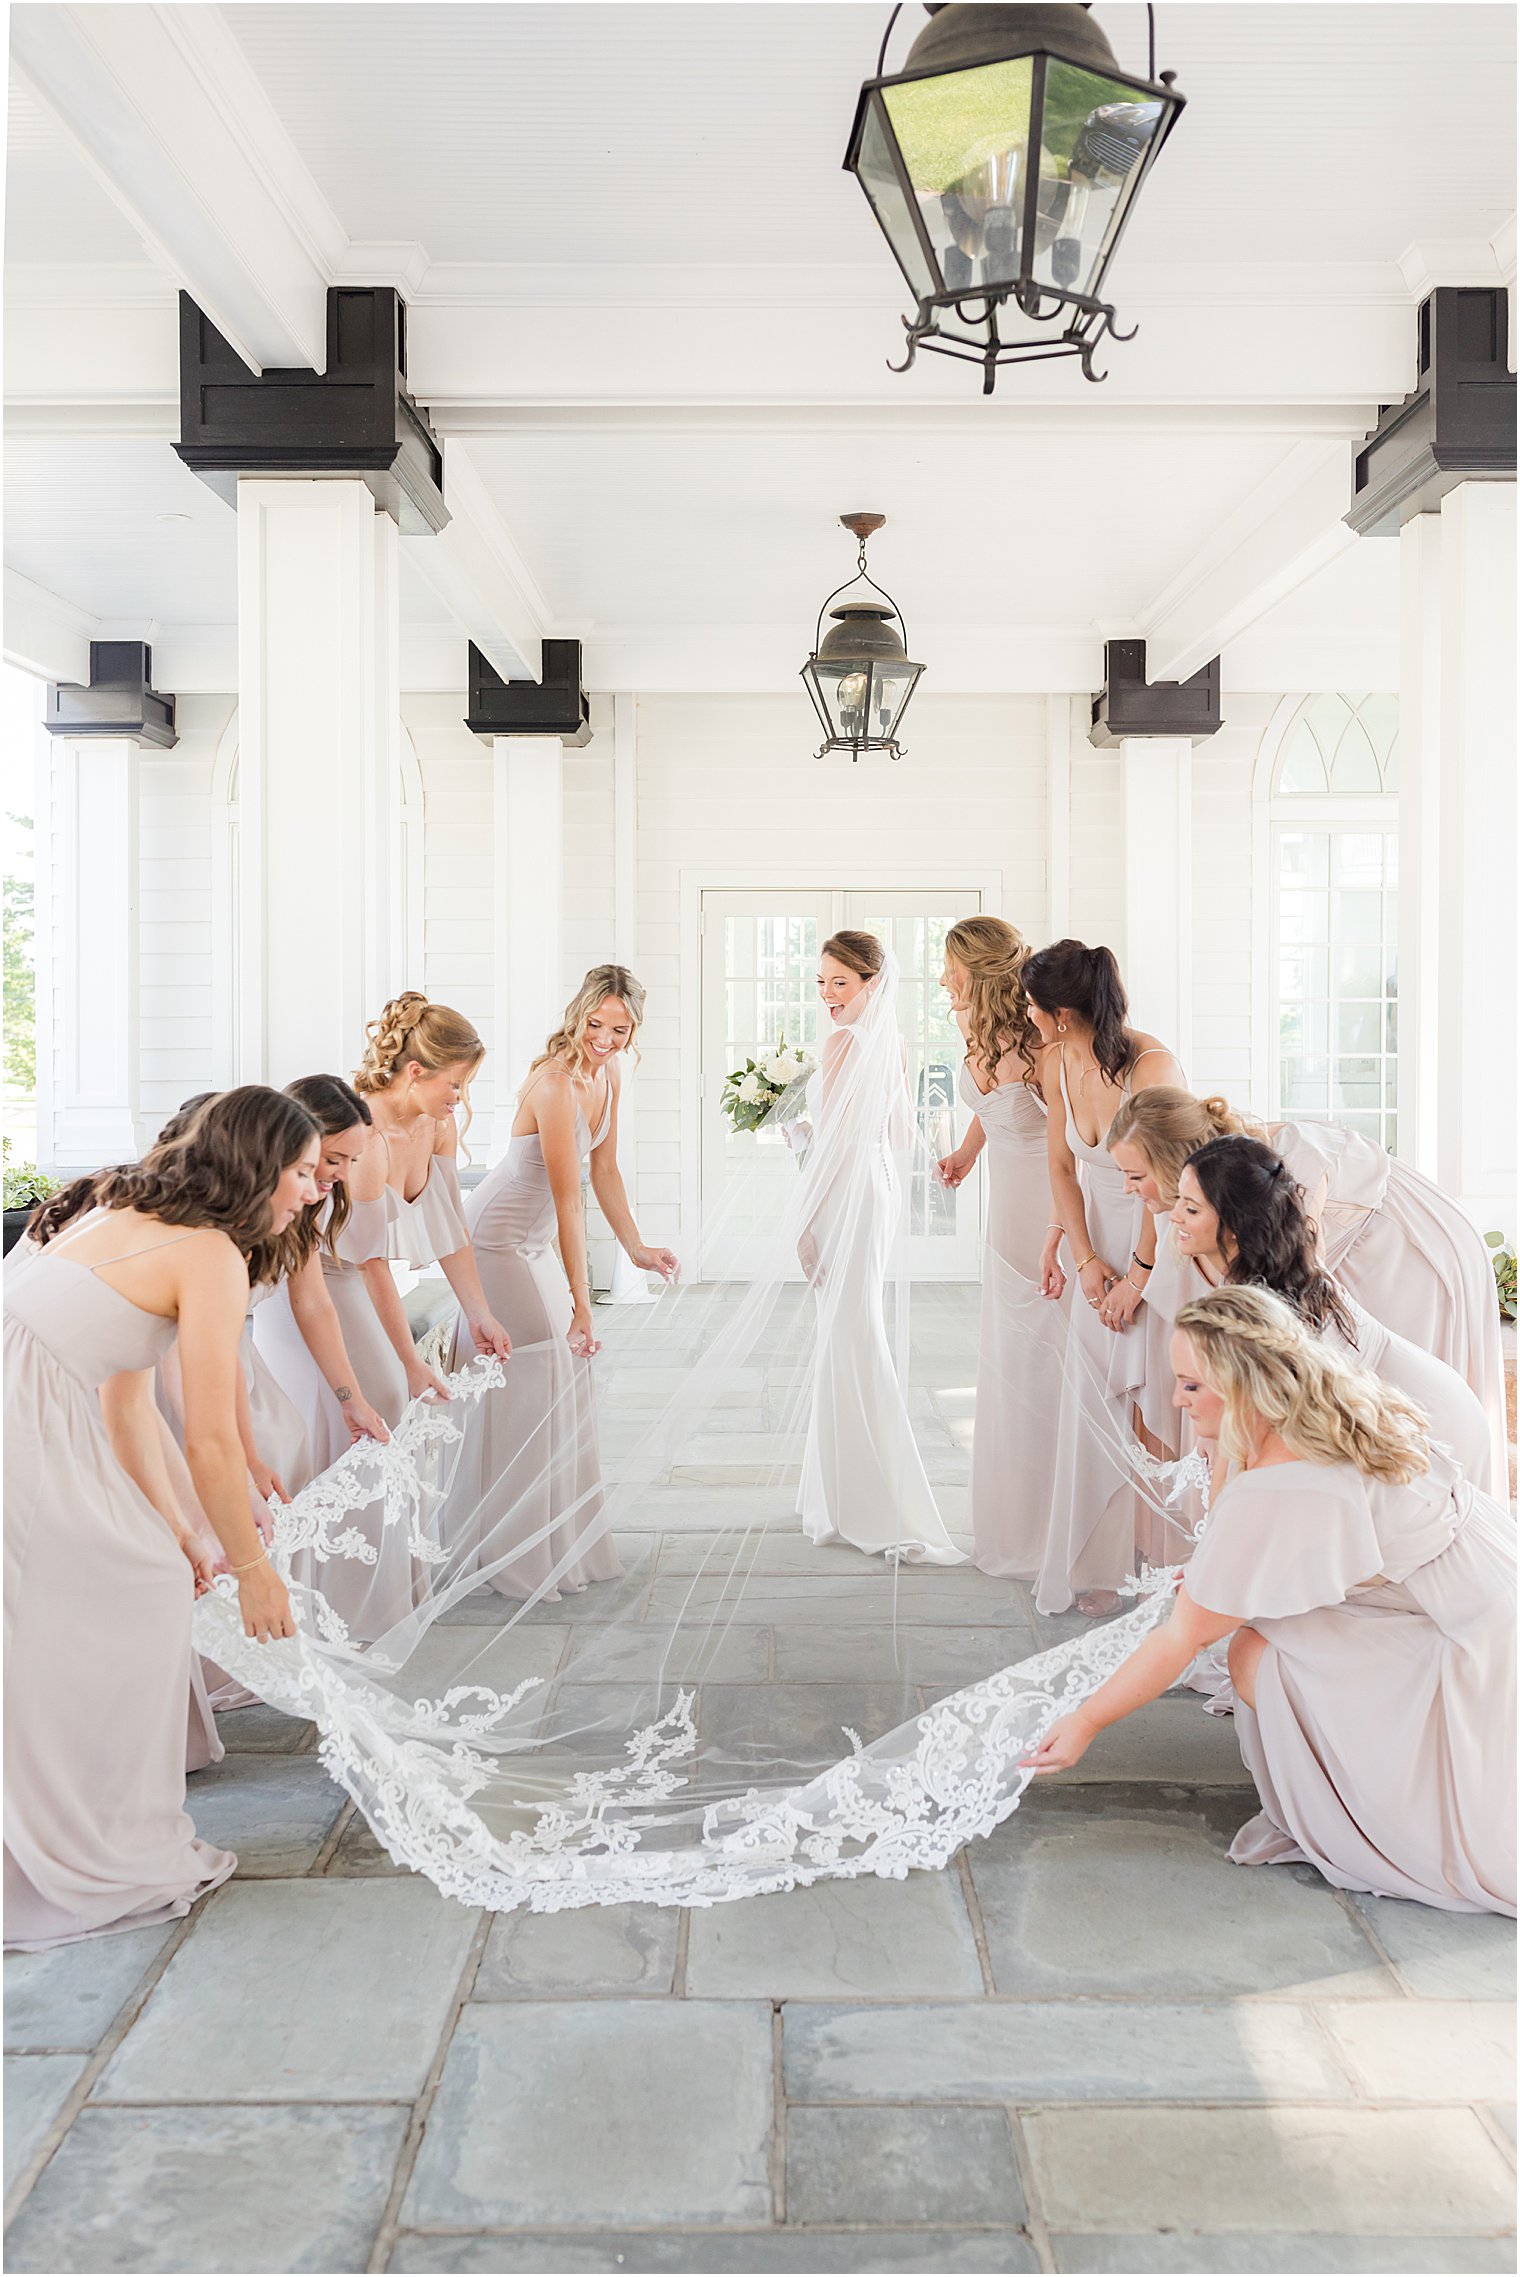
(411, 1027)
(994, 955)
(1271, 1371)
(1169, 1126)
(1261, 1208)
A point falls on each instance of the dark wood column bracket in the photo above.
(556, 705)
(354, 418)
(1456, 425)
(119, 703)
(1129, 704)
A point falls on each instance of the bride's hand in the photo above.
(808, 1258)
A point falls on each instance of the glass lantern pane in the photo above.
(964, 139)
(891, 686)
(879, 180)
(845, 693)
(1094, 139)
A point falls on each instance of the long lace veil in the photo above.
(737, 1708)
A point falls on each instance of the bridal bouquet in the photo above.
(753, 1089)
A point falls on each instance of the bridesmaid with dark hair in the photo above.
(100, 1569)
(1094, 1063)
(300, 1333)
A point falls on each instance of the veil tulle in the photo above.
(673, 1733)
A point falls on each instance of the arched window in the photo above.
(1333, 809)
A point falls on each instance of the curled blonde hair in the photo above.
(994, 955)
(568, 1041)
(412, 1027)
(1168, 1125)
(1270, 1370)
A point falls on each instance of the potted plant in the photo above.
(25, 1186)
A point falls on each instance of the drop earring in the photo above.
(1060, 1027)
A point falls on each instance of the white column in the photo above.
(319, 724)
(1476, 1005)
(530, 852)
(1419, 837)
(1057, 817)
(627, 1284)
(93, 961)
(1156, 821)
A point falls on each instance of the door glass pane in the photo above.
(1336, 915)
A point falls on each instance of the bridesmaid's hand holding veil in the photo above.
(662, 1261)
(423, 1382)
(264, 1604)
(490, 1339)
(363, 1421)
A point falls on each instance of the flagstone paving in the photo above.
(1092, 2045)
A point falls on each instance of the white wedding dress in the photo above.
(863, 1478)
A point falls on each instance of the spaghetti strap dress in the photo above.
(527, 1499)
(98, 1598)
(377, 1366)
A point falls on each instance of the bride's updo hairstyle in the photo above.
(219, 1168)
(993, 955)
(413, 1028)
(1261, 1211)
(1271, 1372)
(333, 1107)
(859, 953)
(600, 985)
(1071, 977)
(1169, 1125)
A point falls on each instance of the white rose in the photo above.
(751, 1090)
(779, 1068)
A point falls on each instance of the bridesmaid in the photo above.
(1013, 1445)
(1368, 1595)
(418, 1063)
(321, 1312)
(99, 1574)
(1414, 1262)
(536, 1489)
(1094, 1062)
(1239, 1219)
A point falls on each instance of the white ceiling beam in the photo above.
(1283, 534)
(170, 118)
(477, 573)
(45, 634)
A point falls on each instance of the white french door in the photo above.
(759, 968)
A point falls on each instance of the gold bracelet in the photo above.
(1087, 1260)
(252, 1562)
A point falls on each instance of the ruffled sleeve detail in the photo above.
(367, 1232)
(1284, 1540)
(434, 1225)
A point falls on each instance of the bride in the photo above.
(863, 1480)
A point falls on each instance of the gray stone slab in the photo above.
(360, 1853)
(315, 1991)
(1278, 2254)
(913, 1652)
(801, 1727)
(869, 1597)
(694, 1654)
(275, 1811)
(1173, 1741)
(35, 2090)
(868, 1936)
(1014, 2052)
(585, 2113)
(1428, 2051)
(702, 2253)
(1407, 2173)
(1444, 1956)
(261, 1730)
(470, 1655)
(777, 1548)
(70, 1995)
(212, 2189)
(1083, 1895)
(857, 2165)
(596, 1949)
(1503, 2116)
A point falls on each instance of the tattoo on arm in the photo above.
(344, 1393)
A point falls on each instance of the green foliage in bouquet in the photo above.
(753, 1089)
(1503, 1262)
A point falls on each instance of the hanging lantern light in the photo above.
(859, 675)
(1002, 164)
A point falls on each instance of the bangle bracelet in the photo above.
(252, 1562)
(1055, 1229)
(1135, 1286)
(1087, 1260)
(1137, 1259)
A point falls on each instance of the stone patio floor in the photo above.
(1092, 2045)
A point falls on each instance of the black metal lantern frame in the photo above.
(1013, 215)
(861, 670)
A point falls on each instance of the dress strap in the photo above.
(124, 1256)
